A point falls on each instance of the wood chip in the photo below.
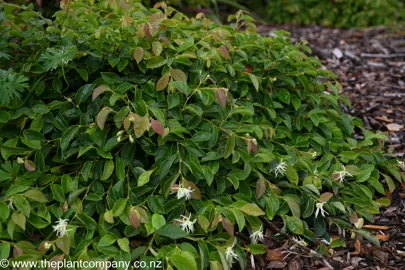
(394, 127)
(384, 118)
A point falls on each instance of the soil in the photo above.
(370, 65)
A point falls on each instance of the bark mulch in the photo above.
(370, 65)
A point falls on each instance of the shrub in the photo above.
(133, 133)
(337, 13)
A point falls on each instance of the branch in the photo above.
(312, 252)
(373, 55)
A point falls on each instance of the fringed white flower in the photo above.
(183, 192)
(280, 168)
(319, 208)
(257, 236)
(186, 224)
(230, 255)
(401, 164)
(342, 174)
(61, 227)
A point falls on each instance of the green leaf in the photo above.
(144, 177)
(252, 210)
(123, 243)
(119, 207)
(110, 77)
(156, 61)
(257, 249)
(35, 195)
(294, 224)
(158, 221)
(172, 231)
(4, 250)
(108, 170)
(67, 136)
(254, 80)
(230, 145)
(22, 204)
(4, 210)
(119, 168)
(107, 240)
(182, 86)
(19, 219)
(292, 175)
(63, 243)
(185, 261)
(242, 111)
(84, 93)
(295, 208)
(57, 193)
(30, 134)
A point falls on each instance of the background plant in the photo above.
(131, 133)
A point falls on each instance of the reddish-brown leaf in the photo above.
(260, 188)
(248, 69)
(251, 145)
(17, 251)
(228, 226)
(138, 54)
(162, 83)
(146, 31)
(102, 117)
(99, 90)
(325, 196)
(221, 95)
(134, 218)
(157, 127)
(224, 52)
(178, 75)
(29, 165)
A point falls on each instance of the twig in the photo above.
(378, 55)
(312, 252)
(375, 227)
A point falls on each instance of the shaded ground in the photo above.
(370, 65)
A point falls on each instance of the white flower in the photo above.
(47, 245)
(120, 133)
(280, 169)
(184, 192)
(326, 242)
(10, 205)
(230, 255)
(257, 235)
(342, 174)
(131, 139)
(299, 240)
(60, 227)
(20, 160)
(319, 208)
(401, 164)
(186, 224)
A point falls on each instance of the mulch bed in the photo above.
(370, 65)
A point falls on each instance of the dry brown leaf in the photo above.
(357, 245)
(275, 254)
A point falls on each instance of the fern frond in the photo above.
(11, 86)
(53, 58)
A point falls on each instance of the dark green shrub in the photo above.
(337, 13)
(107, 110)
